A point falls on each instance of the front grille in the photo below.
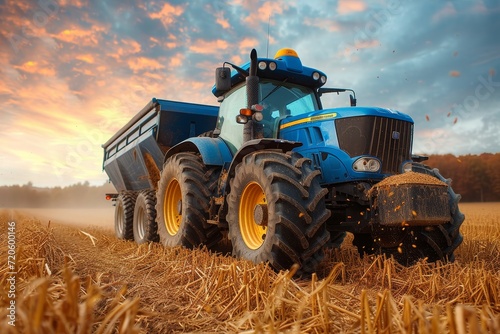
(385, 138)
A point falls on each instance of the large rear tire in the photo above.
(276, 211)
(183, 202)
(124, 215)
(145, 226)
(411, 244)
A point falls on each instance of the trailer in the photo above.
(134, 156)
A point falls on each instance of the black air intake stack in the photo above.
(252, 82)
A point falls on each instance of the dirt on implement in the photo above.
(410, 178)
(81, 279)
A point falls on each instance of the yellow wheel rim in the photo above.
(172, 207)
(253, 234)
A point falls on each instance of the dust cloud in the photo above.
(81, 217)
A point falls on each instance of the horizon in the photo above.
(108, 183)
(73, 74)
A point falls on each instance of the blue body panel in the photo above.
(135, 154)
(317, 132)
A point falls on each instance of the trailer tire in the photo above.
(277, 212)
(124, 215)
(145, 226)
(433, 243)
(183, 202)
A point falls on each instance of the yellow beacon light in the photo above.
(286, 52)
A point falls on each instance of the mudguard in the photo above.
(261, 144)
(213, 151)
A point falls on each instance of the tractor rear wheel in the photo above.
(124, 215)
(145, 227)
(276, 211)
(183, 202)
(433, 243)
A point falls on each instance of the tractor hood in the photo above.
(337, 113)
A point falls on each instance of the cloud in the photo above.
(208, 47)
(142, 63)
(326, 24)
(222, 21)
(350, 6)
(85, 37)
(447, 10)
(168, 14)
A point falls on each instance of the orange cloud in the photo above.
(208, 47)
(168, 14)
(34, 67)
(454, 74)
(221, 20)
(85, 37)
(125, 47)
(74, 3)
(350, 6)
(176, 60)
(265, 11)
(88, 58)
(144, 63)
(247, 44)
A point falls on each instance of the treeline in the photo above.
(77, 195)
(475, 177)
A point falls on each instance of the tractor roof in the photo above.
(285, 66)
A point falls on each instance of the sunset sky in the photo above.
(74, 72)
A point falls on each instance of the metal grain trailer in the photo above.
(134, 156)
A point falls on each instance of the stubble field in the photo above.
(73, 276)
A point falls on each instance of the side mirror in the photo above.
(223, 79)
(353, 100)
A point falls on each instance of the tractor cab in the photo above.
(285, 88)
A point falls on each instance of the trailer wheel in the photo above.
(124, 215)
(145, 227)
(430, 242)
(183, 202)
(276, 211)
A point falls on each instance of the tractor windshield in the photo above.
(282, 99)
(279, 99)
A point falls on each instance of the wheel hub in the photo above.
(179, 207)
(260, 214)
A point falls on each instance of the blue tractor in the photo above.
(280, 177)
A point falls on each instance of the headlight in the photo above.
(407, 166)
(366, 165)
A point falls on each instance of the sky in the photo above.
(73, 72)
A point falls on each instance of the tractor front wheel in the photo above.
(183, 202)
(276, 211)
